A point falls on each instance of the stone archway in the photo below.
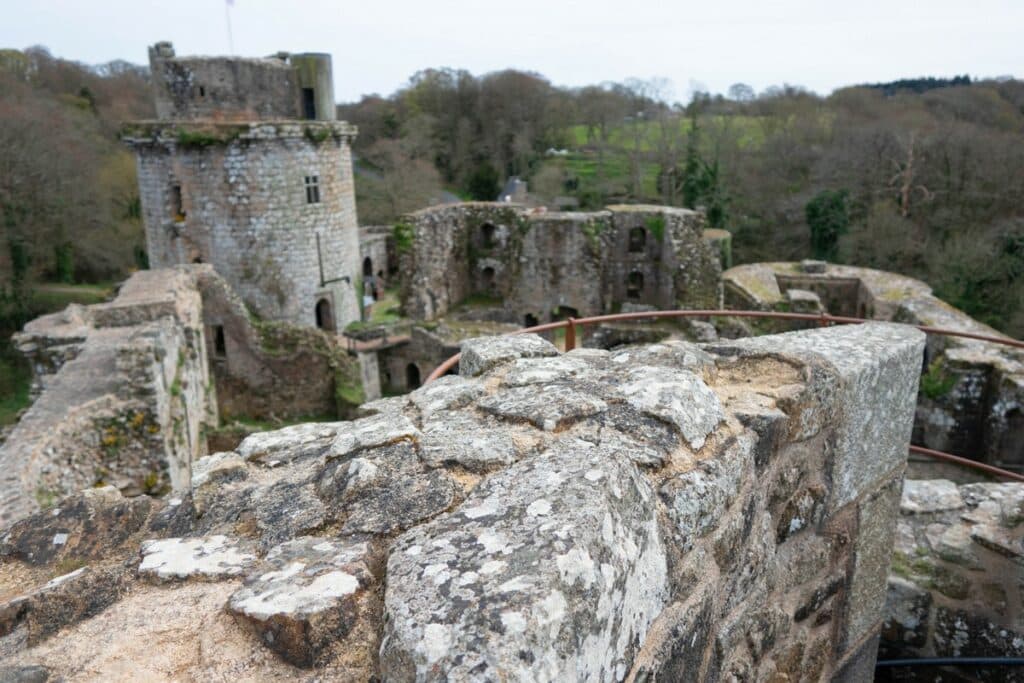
(412, 376)
(325, 316)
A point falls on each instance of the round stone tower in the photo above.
(246, 168)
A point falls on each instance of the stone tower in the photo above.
(246, 168)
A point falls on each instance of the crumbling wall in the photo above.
(267, 371)
(545, 266)
(241, 89)
(660, 512)
(955, 588)
(127, 404)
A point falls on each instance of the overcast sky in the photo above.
(377, 44)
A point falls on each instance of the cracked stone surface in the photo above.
(548, 407)
(679, 398)
(558, 556)
(481, 354)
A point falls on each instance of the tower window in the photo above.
(220, 347)
(200, 91)
(308, 103)
(177, 204)
(312, 189)
(637, 239)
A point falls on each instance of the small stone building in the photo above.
(246, 168)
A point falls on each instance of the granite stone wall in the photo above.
(236, 196)
(955, 586)
(545, 266)
(664, 512)
(270, 370)
(126, 405)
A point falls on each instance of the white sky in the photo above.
(378, 44)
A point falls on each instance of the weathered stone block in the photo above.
(876, 523)
(696, 500)
(210, 559)
(550, 407)
(680, 398)
(878, 368)
(924, 496)
(907, 610)
(305, 595)
(552, 569)
(484, 353)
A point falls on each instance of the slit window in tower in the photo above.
(312, 189)
(177, 204)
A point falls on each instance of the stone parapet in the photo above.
(662, 512)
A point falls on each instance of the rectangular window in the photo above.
(177, 204)
(312, 189)
(220, 347)
(308, 104)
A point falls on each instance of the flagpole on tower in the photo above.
(227, 15)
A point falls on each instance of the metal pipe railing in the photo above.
(822, 319)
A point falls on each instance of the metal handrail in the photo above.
(822, 319)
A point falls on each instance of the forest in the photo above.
(923, 176)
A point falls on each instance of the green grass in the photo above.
(15, 378)
(386, 309)
(49, 298)
(747, 128)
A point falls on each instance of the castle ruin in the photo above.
(668, 511)
(246, 168)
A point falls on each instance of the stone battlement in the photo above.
(666, 512)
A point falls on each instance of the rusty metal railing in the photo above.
(821, 319)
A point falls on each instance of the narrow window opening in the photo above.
(487, 235)
(220, 347)
(412, 376)
(177, 204)
(202, 91)
(635, 285)
(312, 189)
(309, 104)
(637, 239)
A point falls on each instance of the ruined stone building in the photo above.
(972, 392)
(539, 267)
(246, 168)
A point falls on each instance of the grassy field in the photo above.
(748, 128)
(15, 374)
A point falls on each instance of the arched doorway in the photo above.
(412, 376)
(324, 316)
(367, 267)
